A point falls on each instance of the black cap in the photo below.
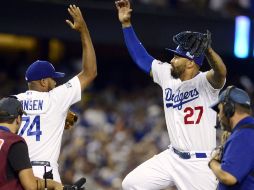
(10, 108)
(236, 95)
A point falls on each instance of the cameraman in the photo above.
(15, 169)
(235, 167)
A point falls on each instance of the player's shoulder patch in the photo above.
(68, 84)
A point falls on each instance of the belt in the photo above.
(40, 163)
(187, 155)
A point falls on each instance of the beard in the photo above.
(176, 73)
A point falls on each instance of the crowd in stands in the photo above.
(117, 130)
(225, 7)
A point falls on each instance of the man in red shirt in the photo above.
(15, 169)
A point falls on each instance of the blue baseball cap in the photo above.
(186, 54)
(236, 95)
(41, 69)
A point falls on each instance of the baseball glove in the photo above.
(194, 42)
(70, 120)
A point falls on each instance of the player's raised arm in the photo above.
(135, 48)
(217, 75)
(89, 67)
(124, 12)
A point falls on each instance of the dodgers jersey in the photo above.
(43, 126)
(189, 118)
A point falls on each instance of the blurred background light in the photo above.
(242, 35)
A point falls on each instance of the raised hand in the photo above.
(78, 20)
(124, 11)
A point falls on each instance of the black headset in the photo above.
(229, 105)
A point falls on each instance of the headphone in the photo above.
(229, 105)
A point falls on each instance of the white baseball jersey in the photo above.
(190, 120)
(43, 126)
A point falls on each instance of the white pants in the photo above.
(39, 172)
(168, 169)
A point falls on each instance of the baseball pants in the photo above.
(168, 169)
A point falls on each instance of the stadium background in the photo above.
(121, 121)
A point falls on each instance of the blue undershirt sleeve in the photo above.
(137, 51)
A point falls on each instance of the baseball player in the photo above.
(47, 105)
(187, 95)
